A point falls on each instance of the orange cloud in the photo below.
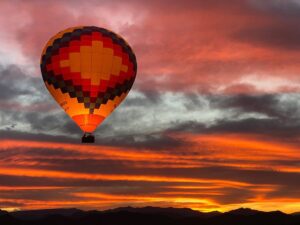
(219, 47)
(213, 173)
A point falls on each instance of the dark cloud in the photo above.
(255, 126)
(270, 128)
(19, 135)
(157, 141)
(266, 104)
(41, 122)
(282, 113)
(288, 9)
(39, 195)
(281, 192)
(278, 36)
(277, 27)
(12, 81)
(254, 177)
(10, 155)
(152, 141)
(274, 115)
(235, 195)
(49, 123)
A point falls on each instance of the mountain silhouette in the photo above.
(39, 214)
(171, 212)
(147, 216)
(243, 211)
(2, 212)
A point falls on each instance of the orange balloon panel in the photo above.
(88, 71)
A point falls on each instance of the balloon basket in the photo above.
(88, 138)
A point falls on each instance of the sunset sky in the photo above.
(211, 123)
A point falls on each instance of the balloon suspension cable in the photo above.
(88, 138)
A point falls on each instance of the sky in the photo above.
(211, 123)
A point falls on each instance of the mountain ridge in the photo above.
(146, 216)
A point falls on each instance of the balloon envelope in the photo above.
(88, 71)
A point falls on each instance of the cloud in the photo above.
(287, 9)
(19, 135)
(265, 104)
(213, 171)
(275, 115)
(285, 36)
(10, 87)
(219, 44)
(212, 121)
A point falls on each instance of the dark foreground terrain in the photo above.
(147, 216)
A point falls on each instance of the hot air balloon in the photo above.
(89, 71)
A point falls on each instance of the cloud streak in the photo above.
(215, 172)
(212, 122)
